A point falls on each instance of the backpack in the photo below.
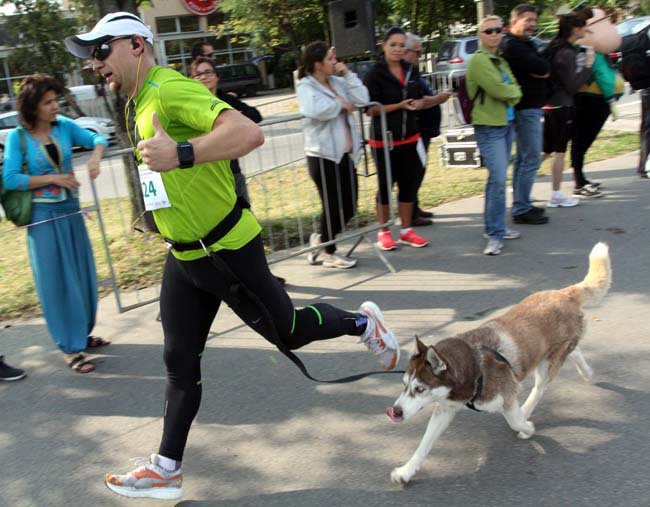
(465, 102)
(635, 62)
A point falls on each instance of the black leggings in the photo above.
(190, 297)
(406, 170)
(338, 189)
(591, 113)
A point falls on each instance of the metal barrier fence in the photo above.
(284, 199)
(447, 81)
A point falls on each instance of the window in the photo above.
(180, 24)
(188, 23)
(166, 25)
(471, 47)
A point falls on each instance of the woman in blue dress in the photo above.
(59, 248)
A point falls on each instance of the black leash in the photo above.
(479, 383)
(245, 302)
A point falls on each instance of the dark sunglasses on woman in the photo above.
(490, 31)
(103, 51)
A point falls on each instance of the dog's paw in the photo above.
(401, 475)
(528, 431)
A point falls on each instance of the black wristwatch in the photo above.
(185, 155)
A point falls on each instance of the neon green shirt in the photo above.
(203, 195)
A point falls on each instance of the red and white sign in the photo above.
(201, 7)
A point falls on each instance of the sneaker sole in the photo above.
(374, 309)
(412, 244)
(552, 205)
(13, 379)
(589, 196)
(385, 249)
(157, 493)
(334, 265)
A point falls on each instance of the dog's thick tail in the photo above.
(599, 278)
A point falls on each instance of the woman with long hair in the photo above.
(570, 69)
(328, 94)
(59, 248)
(396, 84)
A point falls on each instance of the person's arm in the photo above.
(317, 104)
(232, 136)
(357, 93)
(564, 65)
(487, 76)
(525, 59)
(87, 139)
(14, 179)
(248, 111)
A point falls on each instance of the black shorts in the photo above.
(558, 128)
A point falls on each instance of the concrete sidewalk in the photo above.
(266, 436)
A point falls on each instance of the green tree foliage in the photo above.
(37, 32)
(276, 25)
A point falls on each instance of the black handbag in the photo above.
(17, 204)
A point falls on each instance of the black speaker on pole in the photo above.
(353, 27)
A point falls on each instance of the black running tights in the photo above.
(591, 113)
(337, 187)
(190, 297)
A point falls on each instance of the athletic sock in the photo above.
(404, 231)
(170, 465)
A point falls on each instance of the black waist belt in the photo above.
(219, 231)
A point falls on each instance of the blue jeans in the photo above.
(495, 144)
(528, 159)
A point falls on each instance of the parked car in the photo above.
(103, 126)
(455, 54)
(240, 78)
(627, 30)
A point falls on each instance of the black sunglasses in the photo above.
(490, 31)
(103, 51)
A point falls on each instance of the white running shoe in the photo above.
(378, 337)
(493, 247)
(314, 240)
(148, 480)
(338, 261)
(561, 200)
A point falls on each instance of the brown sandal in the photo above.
(97, 341)
(80, 364)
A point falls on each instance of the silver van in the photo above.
(456, 53)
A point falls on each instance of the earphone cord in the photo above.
(128, 103)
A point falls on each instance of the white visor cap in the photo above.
(115, 24)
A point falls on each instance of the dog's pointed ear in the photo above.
(436, 362)
(420, 348)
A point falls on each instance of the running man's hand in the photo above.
(159, 152)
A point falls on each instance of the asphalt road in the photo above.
(265, 436)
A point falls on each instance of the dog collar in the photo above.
(479, 383)
(477, 392)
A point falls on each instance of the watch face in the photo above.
(185, 155)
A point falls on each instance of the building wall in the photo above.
(176, 29)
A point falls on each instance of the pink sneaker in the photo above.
(413, 239)
(385, 241)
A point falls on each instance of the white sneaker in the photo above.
(314, 240)
(561, 200)
(493, 247)
(338, 261)
(148, 480)
(510, 234)
(378, 338)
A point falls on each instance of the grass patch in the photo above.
(138, 258)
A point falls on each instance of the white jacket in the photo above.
(324, 125)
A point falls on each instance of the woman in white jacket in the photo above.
(328, 94)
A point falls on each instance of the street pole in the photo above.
(483, 8)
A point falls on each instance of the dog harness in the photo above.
(478, 387)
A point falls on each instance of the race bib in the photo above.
(153, 189)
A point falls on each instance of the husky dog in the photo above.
(483, 368)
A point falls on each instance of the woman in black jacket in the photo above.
(396, 84)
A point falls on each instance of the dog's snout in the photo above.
(398, 412)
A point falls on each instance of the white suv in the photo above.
(102, 126)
